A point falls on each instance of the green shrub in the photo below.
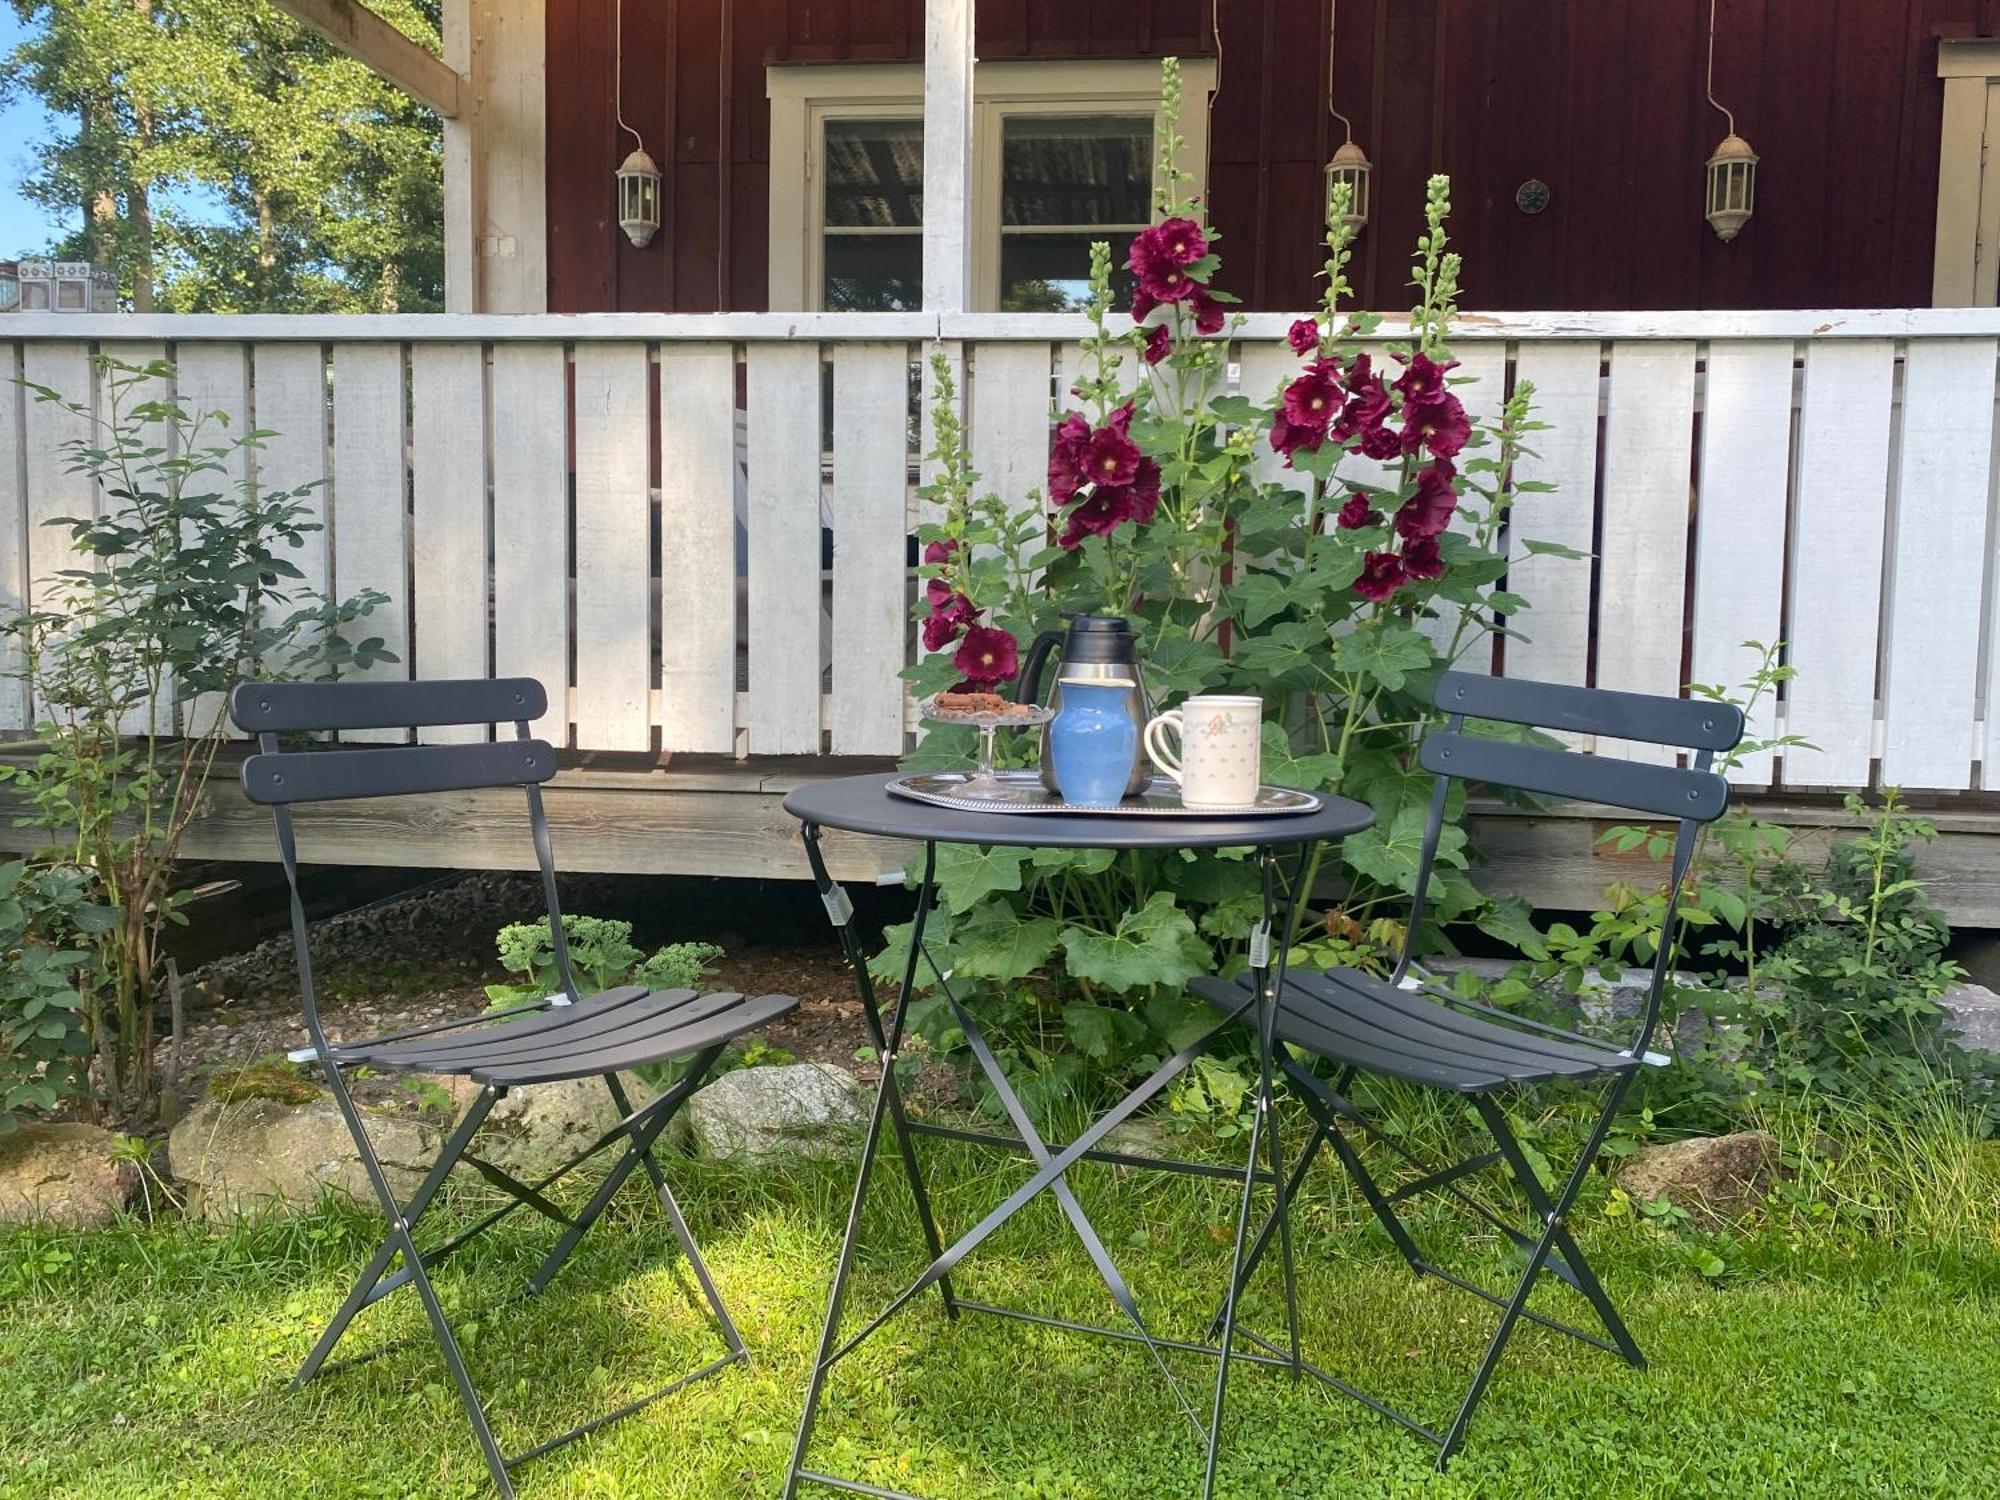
(44, 1042)
(601, 955)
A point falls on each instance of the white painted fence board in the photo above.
(119, 395)
(531, 524)
(448, 519)
(290, 384)
(213, 381)
(369, 505)
(51, 491)
(698, 548)
(1480, 383)
(1642, 582)
(1836, 569)
(614, 659)
(1937, 568)
(784, 391)
(1010, 419)
(13, 533)
(870, 576)
(1263, 368)
(1556, 626)
(1739, 566)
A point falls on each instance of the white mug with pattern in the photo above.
(1216, 763)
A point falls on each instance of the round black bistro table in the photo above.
(863, 804)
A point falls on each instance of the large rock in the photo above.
(1716, 1178)
(1974, 1017)
(260, 1156)
(765, 1114)
(63, 1174)
(535, 1130)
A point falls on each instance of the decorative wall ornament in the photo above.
(638, 174)
(1349, 164)
(1732, 166)
(1532, 196)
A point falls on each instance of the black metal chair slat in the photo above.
(583, 1023)
(291, 707)
(1688, 723)
(1664, 791)
(654, 1017)
(280, 778)
(418, 1056)
(1428, 1022)
(698, 1036)
(1370, 1053)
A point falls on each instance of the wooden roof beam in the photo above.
(367, 38)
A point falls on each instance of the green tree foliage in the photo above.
(328, 178)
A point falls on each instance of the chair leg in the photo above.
(681, 1231)
(641, 1140)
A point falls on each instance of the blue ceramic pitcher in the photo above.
(1092, 740)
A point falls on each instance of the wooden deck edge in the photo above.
(729, 820)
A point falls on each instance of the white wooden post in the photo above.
(947, 155)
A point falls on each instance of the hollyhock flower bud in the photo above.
(1303, 336)
(1439, 424)
(1428, 511)
(1159, 344)
(1421, 559)
(987, 655)
(1357, 513)
(1381, 576)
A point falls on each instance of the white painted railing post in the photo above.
(947, 155)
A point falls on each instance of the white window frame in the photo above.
(804, 96)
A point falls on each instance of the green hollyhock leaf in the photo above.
(1155, 945)
(1102, 1032)
(997, 944)
(1179, 664)
(1076, 861)
(1282, 767)
(1258, 598)
(1511, 921)
(1388, 652)
(1388, 854)
(967, 874)
(1286, 655)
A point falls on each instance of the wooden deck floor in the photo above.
(725, 817)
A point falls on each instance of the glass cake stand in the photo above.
(982, 784)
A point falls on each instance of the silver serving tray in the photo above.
(1024, 793)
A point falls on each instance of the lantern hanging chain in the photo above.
(1215, 26)
(1725, 112)
(1332, 31)
(618, 72)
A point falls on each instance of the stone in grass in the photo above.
(1715, 1178)
(1972, 1017)
(63, 1174)
(251, 1157)
(801, 1110)
(538, 1128)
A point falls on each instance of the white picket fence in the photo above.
(1825, 478)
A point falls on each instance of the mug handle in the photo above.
(1156, 749)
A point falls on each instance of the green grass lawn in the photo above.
(1849, 1350)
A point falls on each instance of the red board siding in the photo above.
(1601, 99)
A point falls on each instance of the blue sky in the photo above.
(24, 226)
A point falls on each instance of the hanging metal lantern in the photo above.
(1732, 186)
(1350, 166)
(639, 198)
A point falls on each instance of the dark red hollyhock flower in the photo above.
(987, 655)
(1381, 576)
(1423, 381)
(1287, 435)
(1111, 458)
(1142, 496)
(1159, 344)
(1303, 336)
(940, 551)
(1360, 370)
(1428, 511)
(947, 620)
(938, 593)
(1143, 303)
(1313, 398)
(1421, 560)
(1356, 513)
(1110, 506)
(1179, 241)
(1439, 425)
(1208, 314)
(1120, 420)
(1367, 408)
(1381, 444)
(1066, 452)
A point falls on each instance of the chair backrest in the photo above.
(280, 778)
(1691, 795)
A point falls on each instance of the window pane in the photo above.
(1051, 272)
(1076, 169)
(874, 273)
(875, 173)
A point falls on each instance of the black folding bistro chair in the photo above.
(563, 1036)
(1402, 1027)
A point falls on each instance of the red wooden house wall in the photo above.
(1601, 99)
